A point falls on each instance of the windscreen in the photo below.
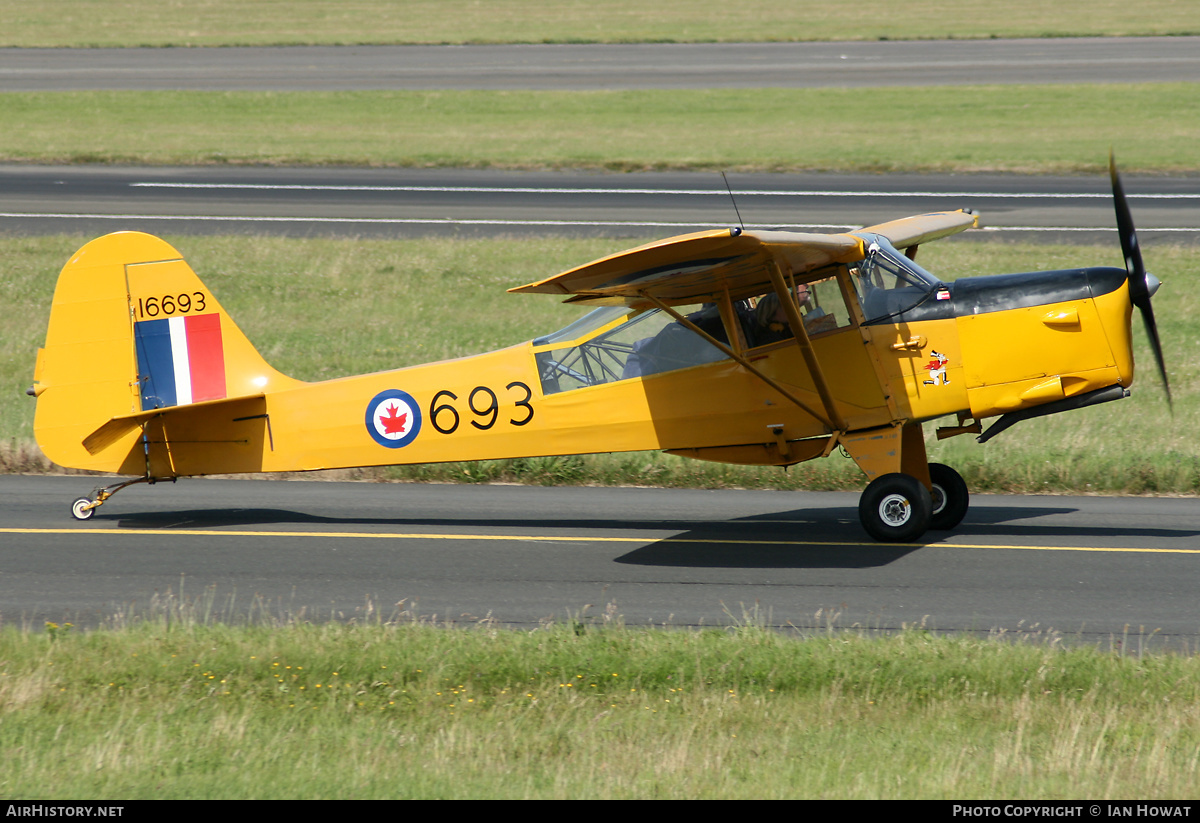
(888, 283)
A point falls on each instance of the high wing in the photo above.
(695, 267)
(923, 228)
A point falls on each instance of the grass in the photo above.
(1045, 129)
(177, 705)
(59, 23)
(281, 292)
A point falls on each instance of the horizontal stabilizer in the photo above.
(118, 427)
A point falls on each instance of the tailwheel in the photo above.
(85, 507)
(895, 508)
(82, 509)
(951, 499)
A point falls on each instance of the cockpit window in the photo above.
(821, 306)
(644, 343)
(888, 283)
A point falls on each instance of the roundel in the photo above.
(393, 418)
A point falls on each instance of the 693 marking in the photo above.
(170, 304)
(483, 403)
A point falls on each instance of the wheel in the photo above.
(895, 508)
(80, 509)
(950, 497)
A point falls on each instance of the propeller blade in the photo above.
(1156, 346)
(1139, 287)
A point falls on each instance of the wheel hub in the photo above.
(939, 498)
(895, 510)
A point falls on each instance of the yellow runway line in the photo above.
(531, 538)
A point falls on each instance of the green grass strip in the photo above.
(402, 705)
(318, 22)
(985, 128)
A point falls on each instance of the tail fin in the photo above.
(133, 329)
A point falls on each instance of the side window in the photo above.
(821, 308)
(647, 343)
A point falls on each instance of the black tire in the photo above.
(951, 499)
(895, 508)
(79, 512)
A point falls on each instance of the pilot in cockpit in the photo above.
(771, 320)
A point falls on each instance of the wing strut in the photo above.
(787, 299)
(739, 359)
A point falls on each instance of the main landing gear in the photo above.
(897, 508)
(950, 497)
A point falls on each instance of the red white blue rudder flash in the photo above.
(181, 360)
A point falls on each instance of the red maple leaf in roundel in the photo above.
(394, 423)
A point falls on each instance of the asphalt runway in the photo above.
(1115, 572)
(631, 66)
(94, 200)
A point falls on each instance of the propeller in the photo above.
(1141, 284)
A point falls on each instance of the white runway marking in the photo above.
(690, 192)
(449, 221)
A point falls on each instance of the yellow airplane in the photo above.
(750, 347)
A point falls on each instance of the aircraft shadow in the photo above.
(775, 540)
(816, 538)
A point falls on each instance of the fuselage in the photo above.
(978, 347)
